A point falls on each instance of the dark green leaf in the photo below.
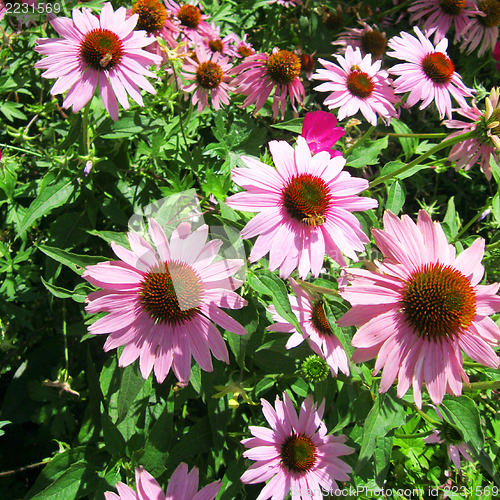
(395, 198)
(362, 156)
(75, 262)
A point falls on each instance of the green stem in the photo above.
(482, 386)
(316, 289)
(414, 436)
(360, 141)
(428, 419)
(181, 122)
(417, 161)
(85, 130)
(420, 136)
(65, 336)
(469, 224)
(22, 150)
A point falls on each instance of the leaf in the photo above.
(409, 144)
(113, 440)
(78, 294)
(109, 236)
(130, 386)
(386, 414)
(75, 262)
(382, 456)
(265, 282)
(450, 219)
(391, 166)
(395, 198)
(73, 134)
(48, 199)
(294, 125)
(362, 156)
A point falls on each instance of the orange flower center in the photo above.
(152, 15)
(438, 67)
(307, 62)
(298, 453)
(452, 7)
(306, 198)
(283, 67)
(359, 83)
(373, 42)
(189, 16)
(172, 293)
(209, 75)
(244, 51)
(101, 49)
(438, 301)
(318, 319)
(492, 10)
(216, 45)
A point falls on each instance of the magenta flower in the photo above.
(369, 40)
(162, 301)
(286, 3)
(224, 46)
(209, 76)
(454, 442)
(421, 309)
(243, 47)
(486, 145)
(182, 486)
(259, 74)
(305, 207)
(483, 28)
(96, 51)
(295, 454)
(321, 132)
(190, 19)
(439, 15)
(357, 85)
(315, 328)
(427, 73)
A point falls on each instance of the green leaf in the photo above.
(73, 134)
(75, 262)
(78, 294)
(48, 199)
(130, 386)
(362, 156)
(294, 125)
(450, 219)
(265, 282)
(109, 236)
(386, 414)
(382, 457)
(396, 197)
(113, 440)
(409, 144)
(391, 166)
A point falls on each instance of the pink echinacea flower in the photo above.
(162, 301)
(427, 73)
(102, 52)
(482, 30)
(182, 486)
(454, 442)
(439, 15)
(296, 454)
(286, 3)
(305, 206)
(315, 327)
(369, 40)
(422, 308)
(485, 146)
(259, 74)
(190, 19)
(208, 75)
(321, 132)
(357, 85)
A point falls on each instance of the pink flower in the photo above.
(369, 40)
(182, 486)
(286, 3)
(454, 442)
(296, 454)
(162, 301)
(486, 144)
(259, 74)
(224, 46)
(190, 20)
(209, 76)
(315, 328)
(427, 73)
(243, 47)
(439, 15)
(357, 85)
(421, 309)
(305, 207)
(483, 28)
(96, 51)
(321, 132)
(496, 54)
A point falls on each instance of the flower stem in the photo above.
(417, 161)
(469, 224)
(85, 130)
(428, 419)
(360, 141)
(420, 136)
(482, 386)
